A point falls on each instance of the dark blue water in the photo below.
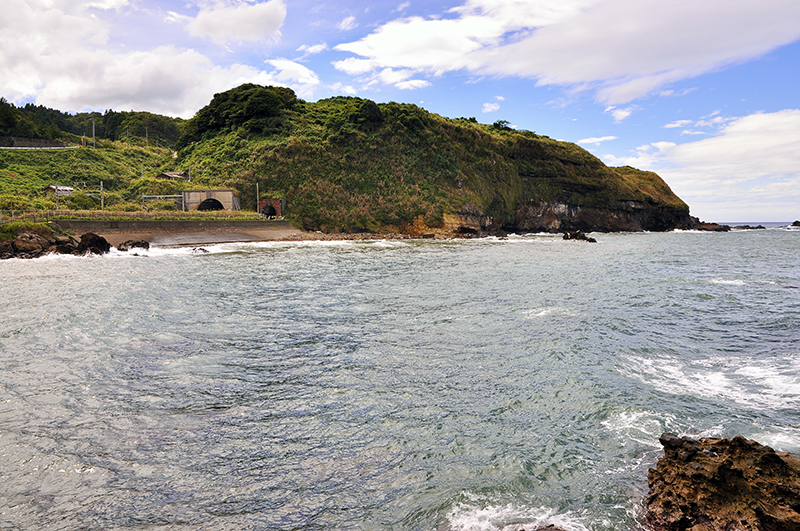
(386, 385)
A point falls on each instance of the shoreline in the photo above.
(193, 233)
(218, 236)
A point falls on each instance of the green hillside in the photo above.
(349, 164)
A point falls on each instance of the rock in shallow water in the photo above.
(723, 485)
(92, 243)
(133, 244)
(578, 235)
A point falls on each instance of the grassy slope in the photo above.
(340, 172)
(346, 164)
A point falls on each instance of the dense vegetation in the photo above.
(37, 121)
(343, 163)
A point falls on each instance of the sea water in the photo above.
(408, 385)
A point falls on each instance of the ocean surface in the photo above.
(402, 385)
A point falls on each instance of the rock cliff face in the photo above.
(626, 216)
(723, 485)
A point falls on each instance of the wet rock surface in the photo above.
(749, 227)
(133, 244)
(29, 245)
(94, 244)
(723, 485)
(578, 235)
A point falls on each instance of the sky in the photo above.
(704, 92)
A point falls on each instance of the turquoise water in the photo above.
(430, 385)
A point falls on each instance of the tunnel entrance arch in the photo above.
(210, 204)
(272, 208)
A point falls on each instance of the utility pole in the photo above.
(146, 137)
(256, 197)
(94, 142)
(102, 198)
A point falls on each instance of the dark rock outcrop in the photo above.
(626, 216)
(29, 245)
(94, 244)
(711, 227)
(796, 223)
(748, 227)
(133, 244)
(723, 485)
(578, 235)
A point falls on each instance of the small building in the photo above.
(175, 176)
(58, 190)
(210, 200)
(272, 208)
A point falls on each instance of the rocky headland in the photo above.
(723, 485)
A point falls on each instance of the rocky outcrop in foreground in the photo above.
(723, 485)
(31, 245)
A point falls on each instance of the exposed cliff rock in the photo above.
(723, 485)
(624, 216)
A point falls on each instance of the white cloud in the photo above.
(243, 22)
(678, 123)
(312, 50)
(759, 146)
(412, 84)
(340, 88)
(291, 74)
(491, 107)
(108, 4)
(748, 169)
(596, 140)
(619, 114)
(347, 24)
(622, 49)
(59, 57)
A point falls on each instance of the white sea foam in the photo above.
(771, 383)
(735, 282)
(641, 427)
(538, 313)
(476, 516)
(782, 439)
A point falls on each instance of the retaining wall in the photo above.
(81, 226)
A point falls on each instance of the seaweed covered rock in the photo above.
(723, 485)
